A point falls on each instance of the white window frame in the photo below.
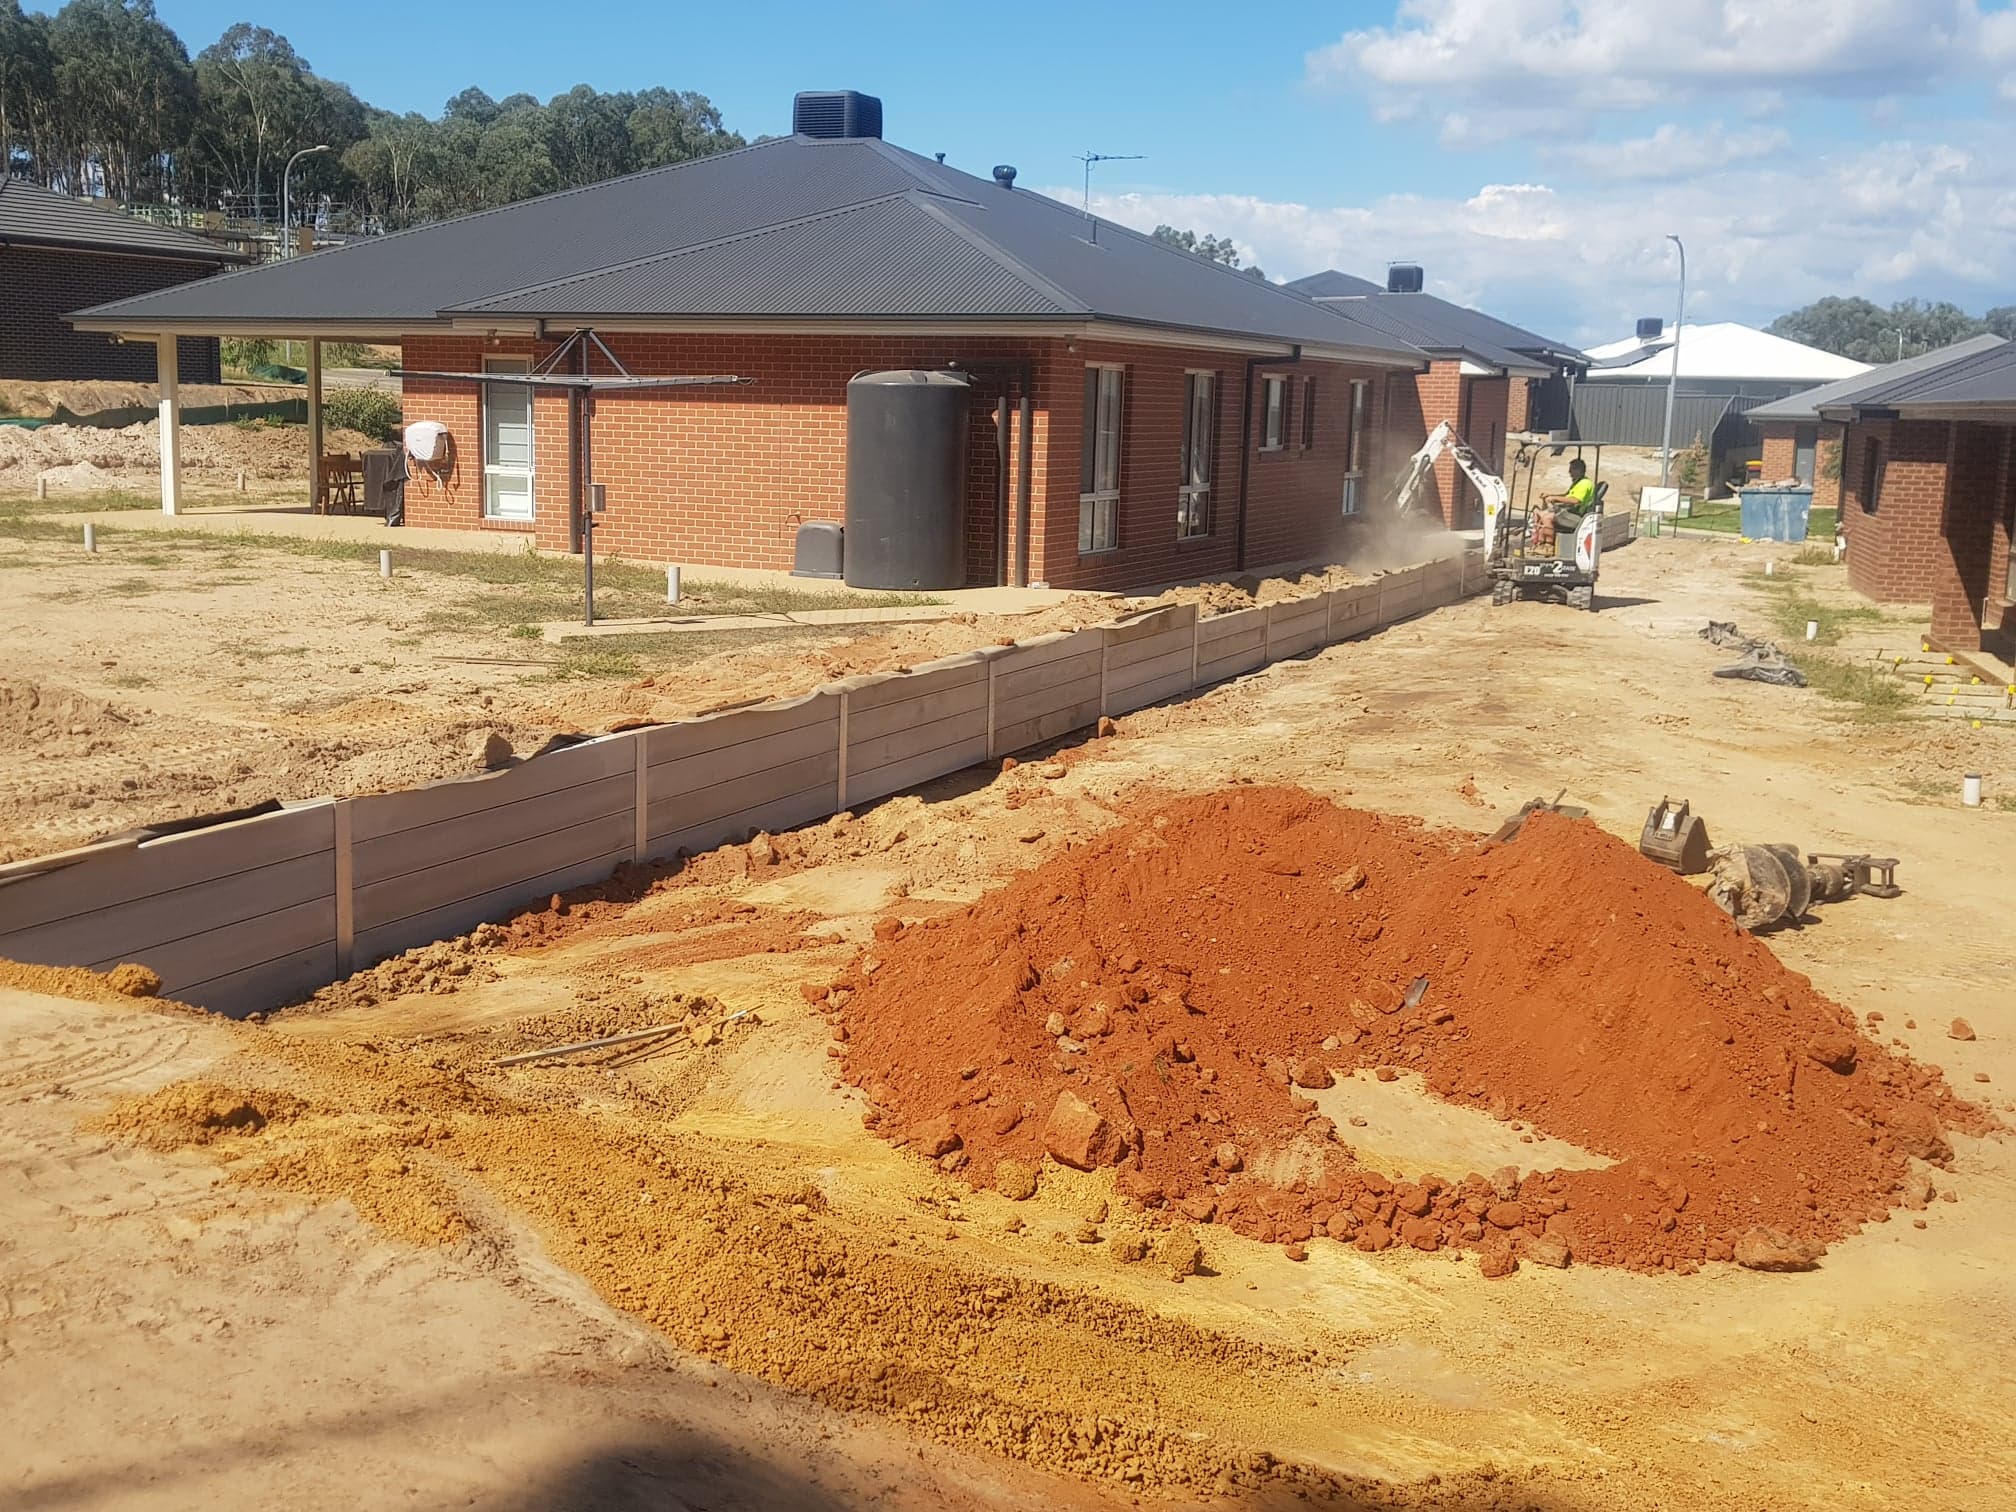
(1273, 412)
(1198, 458)
(1103, 447)
(490, 470)
(1354, 448)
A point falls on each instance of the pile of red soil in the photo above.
(1154, 998)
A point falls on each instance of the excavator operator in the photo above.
(1566, 510)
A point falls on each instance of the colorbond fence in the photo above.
(243, 915)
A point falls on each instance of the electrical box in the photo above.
(598, 498)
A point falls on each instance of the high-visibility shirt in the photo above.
(1581, 494)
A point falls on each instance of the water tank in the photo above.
(906, 479)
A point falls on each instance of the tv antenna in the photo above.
(1089, 158)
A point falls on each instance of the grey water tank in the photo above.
(906, 479)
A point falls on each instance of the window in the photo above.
(1274, 425)
(1200, 426)
(1872, 474)
(1354, 449)
(507, 443)
(1308, 413)
(1099, 462)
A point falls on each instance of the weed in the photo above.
(2006, 802)
(525, 632)
(1813, 556)
(257, 651)
(589, 661)
(136, 587)
(132, 680)
(1875, 692)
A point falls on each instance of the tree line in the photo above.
(1865, 331)
(102, 98)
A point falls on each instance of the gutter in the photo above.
(1246, 445)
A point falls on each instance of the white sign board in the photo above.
(1664, 501)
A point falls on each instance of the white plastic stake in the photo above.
(1770, 569)
(1812, 629)
(385, 564)
(671, 585)
(90, 537)
(41, 488)
(241, 480)
(1970, 790)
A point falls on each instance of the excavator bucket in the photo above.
(1676, 837)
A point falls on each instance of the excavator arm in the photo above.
(1490, 487)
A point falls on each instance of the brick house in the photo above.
(57, 253)
(1798, 443)
(1486, 377)
(1928, 493)
(1137, 414)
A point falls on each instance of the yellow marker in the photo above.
(1977, 724)
(1928, 679)
(1924, 645)
(1949, 661)
(1973, 681)
(1949, 700)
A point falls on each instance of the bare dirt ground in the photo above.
(342, 1252)
(168, 675)
(79, 461)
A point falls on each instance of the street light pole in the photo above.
(287, 198)
(1673, 378)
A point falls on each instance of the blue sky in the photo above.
(1532, 154)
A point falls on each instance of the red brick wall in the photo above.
(1518, 404)
(723, 477)
(1894, 543)
(1969, 576)
(1780, 458)
(1483, 411)
(712, 476)
(38, 288)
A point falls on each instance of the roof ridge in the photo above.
(171, 238)
(1003, 258)
(666, 253)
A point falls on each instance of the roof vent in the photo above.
(1651, 328)
(1403, 278)
(1004, 175)
(836, 113)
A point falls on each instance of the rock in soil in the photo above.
(1766, 1249)
(1960, 1029)
(1077, 1135)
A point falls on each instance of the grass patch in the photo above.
(257, 652)
(132, 680)
(136, 587)
(524, 632)
(585, 660)
(1874, 693)
(1813, 556)
(1789, 606)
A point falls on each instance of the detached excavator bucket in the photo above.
(1676, 837)
(1509, 830)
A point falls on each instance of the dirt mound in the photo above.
(33, 714)
(443, 967)
(1156, 999)
(83, 457)
(196, 1113)
(125, 985)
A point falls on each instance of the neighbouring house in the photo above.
(1725, 371)
(1486, 377)
(1928, 491)
(1137, 414)
(1798, 443)
(57, 253)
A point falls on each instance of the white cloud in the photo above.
(1477, 59)
(1581, 264)
(1672, 152)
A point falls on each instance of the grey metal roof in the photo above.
(1331, 284)
(1806, 406)
(793, 227)
(33, 216)
(1980, 379)
(1437, 325)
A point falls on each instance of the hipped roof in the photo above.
(1437, 326)
(796, 228)
(1809, 405)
